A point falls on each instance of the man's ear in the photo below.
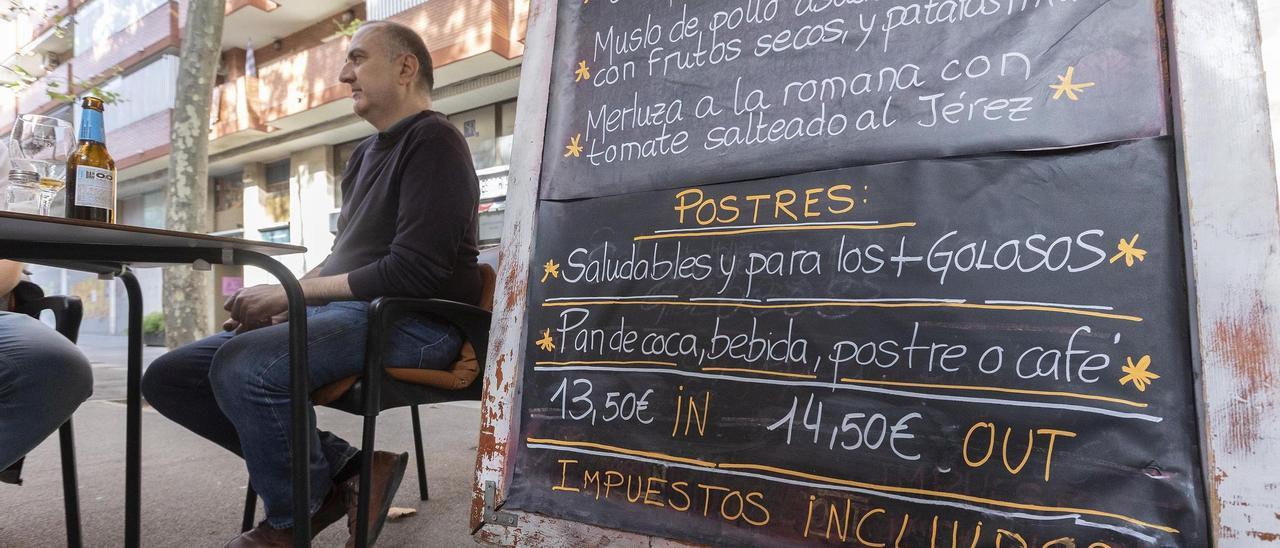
(408, 69)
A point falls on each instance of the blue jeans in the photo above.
(234, 391)
(43, 379)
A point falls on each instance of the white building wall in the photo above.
(99, 19)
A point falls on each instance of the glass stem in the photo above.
(46, 202)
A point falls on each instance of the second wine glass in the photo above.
(42, 144)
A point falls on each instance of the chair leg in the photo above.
(70, 486)
(366, 482)
(417, 447)
(250, 509)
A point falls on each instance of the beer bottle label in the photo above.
(94, 187)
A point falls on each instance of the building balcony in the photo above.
(297, 83)
(498, 25)
(298, 86)
(56, 16)
(101, 57)
(40, 54)
(35, 99)
(8, 109)
(39, 25)
(140, 142)
(234, 6)
(235, 108)
(455, 30)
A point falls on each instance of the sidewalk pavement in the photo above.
(109, 356)
(193, 491)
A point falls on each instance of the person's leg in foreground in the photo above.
(43, 379)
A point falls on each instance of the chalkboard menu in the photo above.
(660, 94)
(863, 339)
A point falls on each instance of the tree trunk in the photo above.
(186, 290)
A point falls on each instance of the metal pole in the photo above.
(378, 314)
(300, 390)
(250, 509)
(70, 492)
(417, 448)
(133, 416)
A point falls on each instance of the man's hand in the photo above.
(264, 305)
(10, 275)
(254, 307)
(232, 325)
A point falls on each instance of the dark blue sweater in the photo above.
(409, 214)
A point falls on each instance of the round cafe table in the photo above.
(110, 251)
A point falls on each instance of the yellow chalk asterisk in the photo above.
(574, 149)
(1138, 373)
(1129, 251)
(583, 73)
(550, 269)
(545, 342)
(1066, 85)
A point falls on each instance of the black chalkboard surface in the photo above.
(903, 351)
(958, 326)
(664, 93)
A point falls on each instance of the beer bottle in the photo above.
(91, 173)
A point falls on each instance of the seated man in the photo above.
(43, 378)
(408, 229)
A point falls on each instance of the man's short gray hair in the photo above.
(403, 40)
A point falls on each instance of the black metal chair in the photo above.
(67, 313)
(400, 387)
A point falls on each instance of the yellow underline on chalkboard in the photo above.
(996, 389)
(754, 230)
(623, 450)
(849, 483)
(944, 494)
(975, 306)
(761, 372)
(669, 364)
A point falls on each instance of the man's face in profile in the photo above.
(370, 71)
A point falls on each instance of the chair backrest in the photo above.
(469, 366)
(470, 363)
(67, 313)
(488, 260)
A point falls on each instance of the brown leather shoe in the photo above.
(386, 472)
(263, 536)
(333, 508)
(266, 536)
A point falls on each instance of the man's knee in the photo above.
(57, 372)
(158, 379)
(80, 377)
(239, 366)
(171, 375)
(69, 367)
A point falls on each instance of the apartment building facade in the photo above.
(281, 126)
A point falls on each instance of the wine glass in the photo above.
(4, 178)
(42, 144)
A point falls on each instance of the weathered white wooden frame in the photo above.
(1232, 229)
(1232, 226)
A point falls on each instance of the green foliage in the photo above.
(19, 7)
(26, 79)
(348, 29)
(59, 29)
(153, 323)
(108, 97)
